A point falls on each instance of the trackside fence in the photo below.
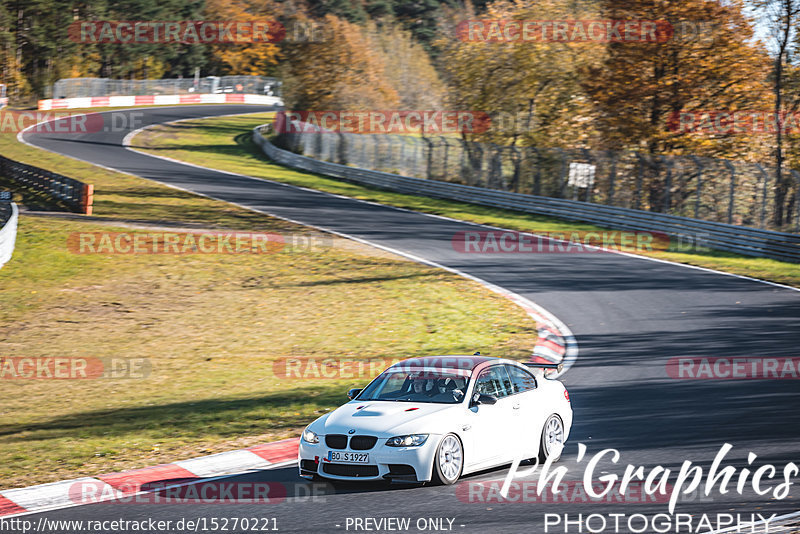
(716, 235)
(717, 190)
(8, 232)
(76, 195)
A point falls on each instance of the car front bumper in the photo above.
(396, 464)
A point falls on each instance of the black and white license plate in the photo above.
(348, 457)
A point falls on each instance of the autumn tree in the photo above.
(781, 18)
(706, 63)
(531, 89)
(343, 71)
(249, 58)
(408, 68)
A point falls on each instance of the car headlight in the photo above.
(310, 437)
(412, 440)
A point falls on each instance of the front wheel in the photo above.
(449, 460)
(552, 435)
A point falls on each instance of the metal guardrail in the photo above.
(8, 235)
(76, 195)
(720, 236)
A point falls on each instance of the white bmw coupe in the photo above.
(438, 418)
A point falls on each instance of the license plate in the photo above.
(348, 457)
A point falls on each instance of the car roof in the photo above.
(452, 361)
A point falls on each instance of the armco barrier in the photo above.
(76, 195)
(8, 236)
(720, 236)
(156, 100)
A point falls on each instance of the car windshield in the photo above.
(444, 386)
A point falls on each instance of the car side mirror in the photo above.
(353, 393)
(480, 398)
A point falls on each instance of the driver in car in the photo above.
(424, 386)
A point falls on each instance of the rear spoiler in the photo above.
(557, 366)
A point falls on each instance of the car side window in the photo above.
(494, 381)
(521, 380)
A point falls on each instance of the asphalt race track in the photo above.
(629, 316)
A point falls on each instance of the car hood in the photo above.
(386, 418)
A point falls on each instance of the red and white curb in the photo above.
(156, 100)
(112, 486)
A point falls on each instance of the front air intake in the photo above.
(336, 441)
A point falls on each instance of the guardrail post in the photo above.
(730, 167)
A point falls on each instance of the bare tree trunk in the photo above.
(781, 185)
(19, 42)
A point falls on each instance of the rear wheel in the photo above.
(449, 460)
(552, 435)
